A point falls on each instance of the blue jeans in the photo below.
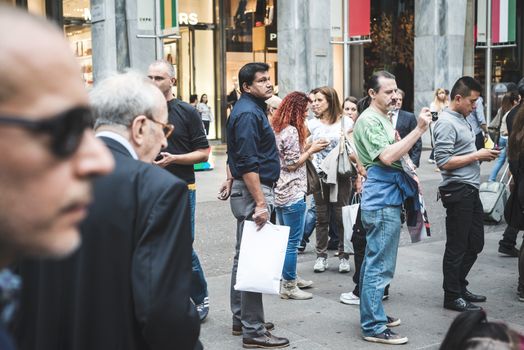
(311, 220)
(293, 216)
(503, 142)
(378, 267)
(198, 281)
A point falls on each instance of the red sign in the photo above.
(359, 17)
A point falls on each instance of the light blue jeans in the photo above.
(293, 216)
(503, 142)
(198, 280)
(378, 267)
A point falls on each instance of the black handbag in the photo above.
(313, 181)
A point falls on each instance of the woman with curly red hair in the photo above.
(291, 132)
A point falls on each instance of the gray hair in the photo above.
(169, 66)
(120, 98)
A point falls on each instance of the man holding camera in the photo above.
(459, 160)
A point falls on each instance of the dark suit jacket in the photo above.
(406, 122)
(127, 287)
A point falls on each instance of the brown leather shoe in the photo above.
(265, 341)
(237, 330)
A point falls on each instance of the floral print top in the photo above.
(292, 185)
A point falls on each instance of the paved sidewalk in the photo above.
(415, 296)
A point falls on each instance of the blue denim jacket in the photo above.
(386, 186)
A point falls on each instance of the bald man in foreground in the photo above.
(49, 153)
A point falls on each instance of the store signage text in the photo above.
(188, 18)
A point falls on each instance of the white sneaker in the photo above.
(344, 266)
(431, 161)
(321, 265)
(349, 298)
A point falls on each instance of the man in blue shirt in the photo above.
(253, 169)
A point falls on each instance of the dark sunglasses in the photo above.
(65, 129)
(166, 128)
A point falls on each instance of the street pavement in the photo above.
(323, 322)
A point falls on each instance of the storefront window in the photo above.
(77, 27)
(392, 46)
(193, 56)
(251, 35)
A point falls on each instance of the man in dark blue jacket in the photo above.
(405, 122)
(253, 169)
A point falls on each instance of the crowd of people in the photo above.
(383, 143)
(98, 200)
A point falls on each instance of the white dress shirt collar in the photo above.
(120, 139)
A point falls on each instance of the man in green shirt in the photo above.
(384, 191)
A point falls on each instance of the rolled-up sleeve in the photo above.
(247, 139)
(445, 136)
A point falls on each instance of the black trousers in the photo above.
(509, 238)
(206, 126)
(464, 238)
(521, 266)
(359, 246)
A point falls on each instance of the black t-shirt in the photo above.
(188, 136)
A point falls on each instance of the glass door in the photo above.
(192, 56)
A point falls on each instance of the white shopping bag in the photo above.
(261, 258)
(349, 217)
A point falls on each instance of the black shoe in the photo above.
(237, 329)
(474, 298)
(461, 305)
(511, 252)
(521, 295)
(265, 341)
(302, 246)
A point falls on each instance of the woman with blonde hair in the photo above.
(440, 102)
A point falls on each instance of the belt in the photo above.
(269, 184)
(191, 187)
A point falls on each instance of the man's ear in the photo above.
(245, 87)
(173, 81)
(138, 130)
(372, 93)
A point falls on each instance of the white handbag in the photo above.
(349, 218)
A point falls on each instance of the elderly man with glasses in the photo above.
(128, 287)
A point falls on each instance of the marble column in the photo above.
(304, 53)
(440, 27)
(105, 46)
